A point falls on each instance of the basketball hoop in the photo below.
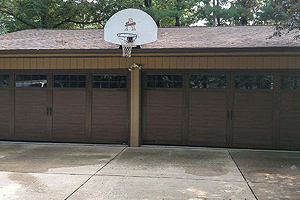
(127, 42)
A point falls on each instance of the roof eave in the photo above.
(152, 50)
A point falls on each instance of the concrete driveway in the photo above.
(76, 171)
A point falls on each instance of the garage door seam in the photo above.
(95, 174)
(242, 175)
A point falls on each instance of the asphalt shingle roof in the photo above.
(168, 38)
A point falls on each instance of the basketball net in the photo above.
(127, 40)
(127, 48)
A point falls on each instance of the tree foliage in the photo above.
(287, 17)
(29, 14)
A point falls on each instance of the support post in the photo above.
(135, 105)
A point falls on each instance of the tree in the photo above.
(287, 17)
(214, 12)
(170, 12)
(243, 11)
(30, 14)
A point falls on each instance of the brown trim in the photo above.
(185, 109)
(167, 53)
(88, 106)
(50, 104)
(230, 110)
(151, 51)
(12, 105)
(276, 111)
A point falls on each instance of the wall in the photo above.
(218, 61)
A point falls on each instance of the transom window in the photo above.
(31, 80)
(69, 81)
(253, 81)
(207, 81)
(109, 81)
(164, 81)
(4, 80)
(290, 82)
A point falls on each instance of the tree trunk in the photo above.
(148, 3)
(218, 18)
(177, 22)
(244, 21)
(157, 23)
(214, 14)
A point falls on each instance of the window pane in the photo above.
(73, 84)
(65, 77)
(26, 80)
(105, 84)
(164, 81)
(81, 84)
(73, 81)
(109, 81)
(73, 78)
(57, 77)
(4, 80)
(253, 81)
(207, 81)
(96, 84)
(290, 82)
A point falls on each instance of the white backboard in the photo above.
(131, 21)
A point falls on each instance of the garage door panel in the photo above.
(68, 133)
(4, 114)
(164, 98)
(207, 118)
(110, 115)
(206, 99)
(290, 120)
(69, 115)
(31, 114)
(253, 120)
(69, 98)
(166, 116)
(30, 98)
(114, 134)
(161, 134)
(163, 125)
(110, 98)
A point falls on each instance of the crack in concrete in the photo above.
(167, 177)
(95, 174)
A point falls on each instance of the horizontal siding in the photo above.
(170, 62)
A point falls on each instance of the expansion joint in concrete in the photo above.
(242, 175)
(95, 173)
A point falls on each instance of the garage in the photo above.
(239, 90)
(65, 107)
(244, 109)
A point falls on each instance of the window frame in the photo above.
(69, 80)
(30, 74)
(5, 86)
(208, 74)
(173, 81)
(109, 82)
(259, 74)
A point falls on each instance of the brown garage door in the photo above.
(207, 110)
(290, 112)
(69, 107)
(4, 106)
(31, 107)
(110, 108)
(253, 111)
(73, 107)
(162, 109)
